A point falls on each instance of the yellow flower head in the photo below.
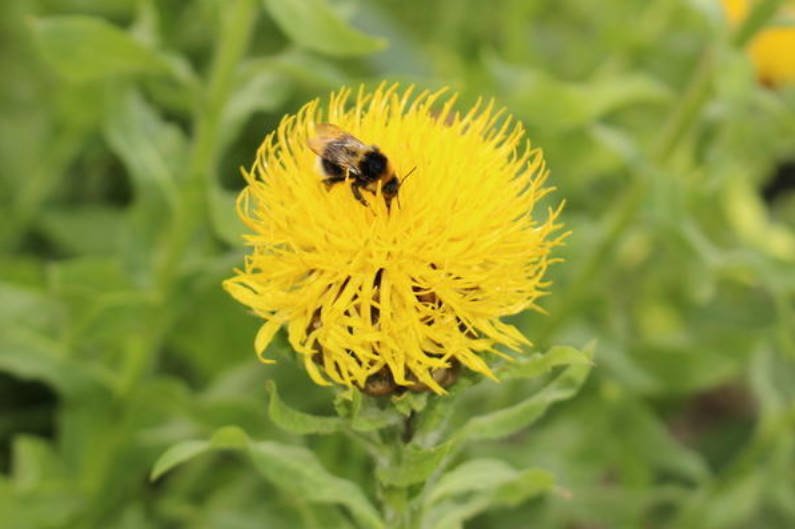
(772, 50)
(401, 296)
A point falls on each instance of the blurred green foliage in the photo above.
(122, 127)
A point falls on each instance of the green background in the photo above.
(123, 125)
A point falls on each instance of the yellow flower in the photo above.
(384, 298)
(772, 50)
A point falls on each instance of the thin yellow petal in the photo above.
(410, 290)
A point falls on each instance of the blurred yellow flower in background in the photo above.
(388, 298)
(772, 50)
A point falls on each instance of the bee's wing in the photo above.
(325, 133)
(329, 130)
(335, 145)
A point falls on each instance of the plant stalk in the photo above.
(676, 127)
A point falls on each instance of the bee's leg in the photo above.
(357, 193)
(331, 180)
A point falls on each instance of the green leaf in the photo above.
(223, 214)
(364, 413)
(510, 491)
(21, 272)
(86, 230)
(89, 277)
(313, 25)
(435, 418)
(296, 421)
(28, 355)
(541, 364)
(153, 151)
(42, 508)
(527, 484)
(197, 336)
(26, 307)
(625, 368)
(178, 454)
(560, 106)
(410, 402)
(229, 437)
(84, 48)
(103, 304)
(763, 375)
(416, 465)
(658, 446)
(613, 93)
(301, 67)
(292, 469)
(519, 416)
(297, 471)
(33, 462)
(256, 89)
(225, 438)
(732, 502)
(473, 476)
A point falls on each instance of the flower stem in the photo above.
(760, 15)
(237, 22)
(698, 89)
(674, 130)
(685, 114)
(191, 209)
(397, 506)
(408, 427)
(397, 511)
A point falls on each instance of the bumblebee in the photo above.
(344, 157)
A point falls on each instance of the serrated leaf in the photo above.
(519, 416)
(84, 48)
(415, 467)
(313, 25)
(296, 421)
